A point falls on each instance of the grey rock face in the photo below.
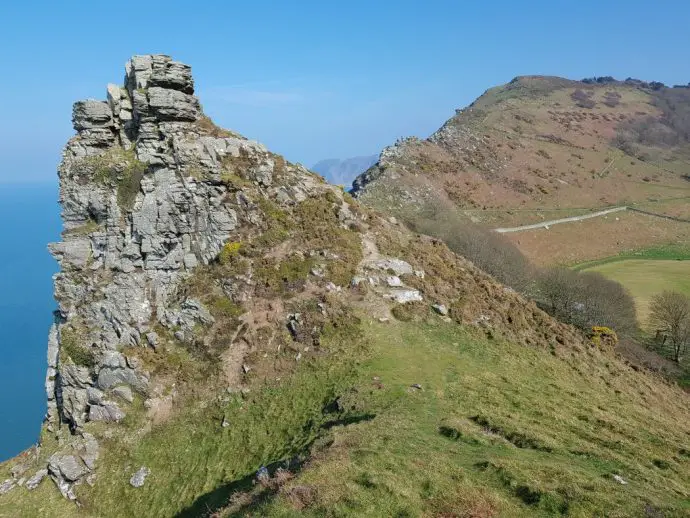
(107, 411)
(109, 377)
(190, 313)
(139, 477)
(145, 200)
(91, 114)
(173, 75)
(171, 105)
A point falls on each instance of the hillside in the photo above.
(542, 148)
(236, 337)
(344, 171)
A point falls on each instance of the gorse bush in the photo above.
(229, 252)
(602, 336)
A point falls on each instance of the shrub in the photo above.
(71, 350)
(586, 299)
(116, 168)
(583, 99)
(602, 336)
(207, 127)
(224, 307)
(612, 99)
(410, 311)
(670, 316)
(282, 278)
(229, 252)
(490, 251)
(671, 129)
(129, 184)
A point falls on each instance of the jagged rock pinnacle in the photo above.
(146, 187)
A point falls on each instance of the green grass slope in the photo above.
(495, 430)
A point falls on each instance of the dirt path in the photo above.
(547, 224)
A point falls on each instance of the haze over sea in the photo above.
(29, 220)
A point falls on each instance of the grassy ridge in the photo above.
(496, 430)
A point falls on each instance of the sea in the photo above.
(29, 220)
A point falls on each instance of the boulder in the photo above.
(67, 467)
(394, 281)
(404, 296)
(36, 479)
(153, 339)
(440, 309)
(124, 392)
(107, 411)
(89, 451)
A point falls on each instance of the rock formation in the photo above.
(181, 238)
(145, 198)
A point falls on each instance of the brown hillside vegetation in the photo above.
(541, 148)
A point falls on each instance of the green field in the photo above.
(680, 252)
(647, 277)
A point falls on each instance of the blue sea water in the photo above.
(29, 220)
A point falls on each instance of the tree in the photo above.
(586, 299)
(559, 288)
(670, 314)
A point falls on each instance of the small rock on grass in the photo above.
(6, 486)
(139, 477)
(34, 481)
(440, 309)
(619, 479)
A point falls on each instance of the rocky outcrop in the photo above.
(147, 195)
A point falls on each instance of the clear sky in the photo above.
(316, 79)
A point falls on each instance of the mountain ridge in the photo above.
(543, 143)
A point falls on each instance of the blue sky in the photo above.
(316, 79)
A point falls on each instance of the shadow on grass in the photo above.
(221, 496)
(254, 494)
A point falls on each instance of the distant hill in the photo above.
(343, 172)
(542, 148)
